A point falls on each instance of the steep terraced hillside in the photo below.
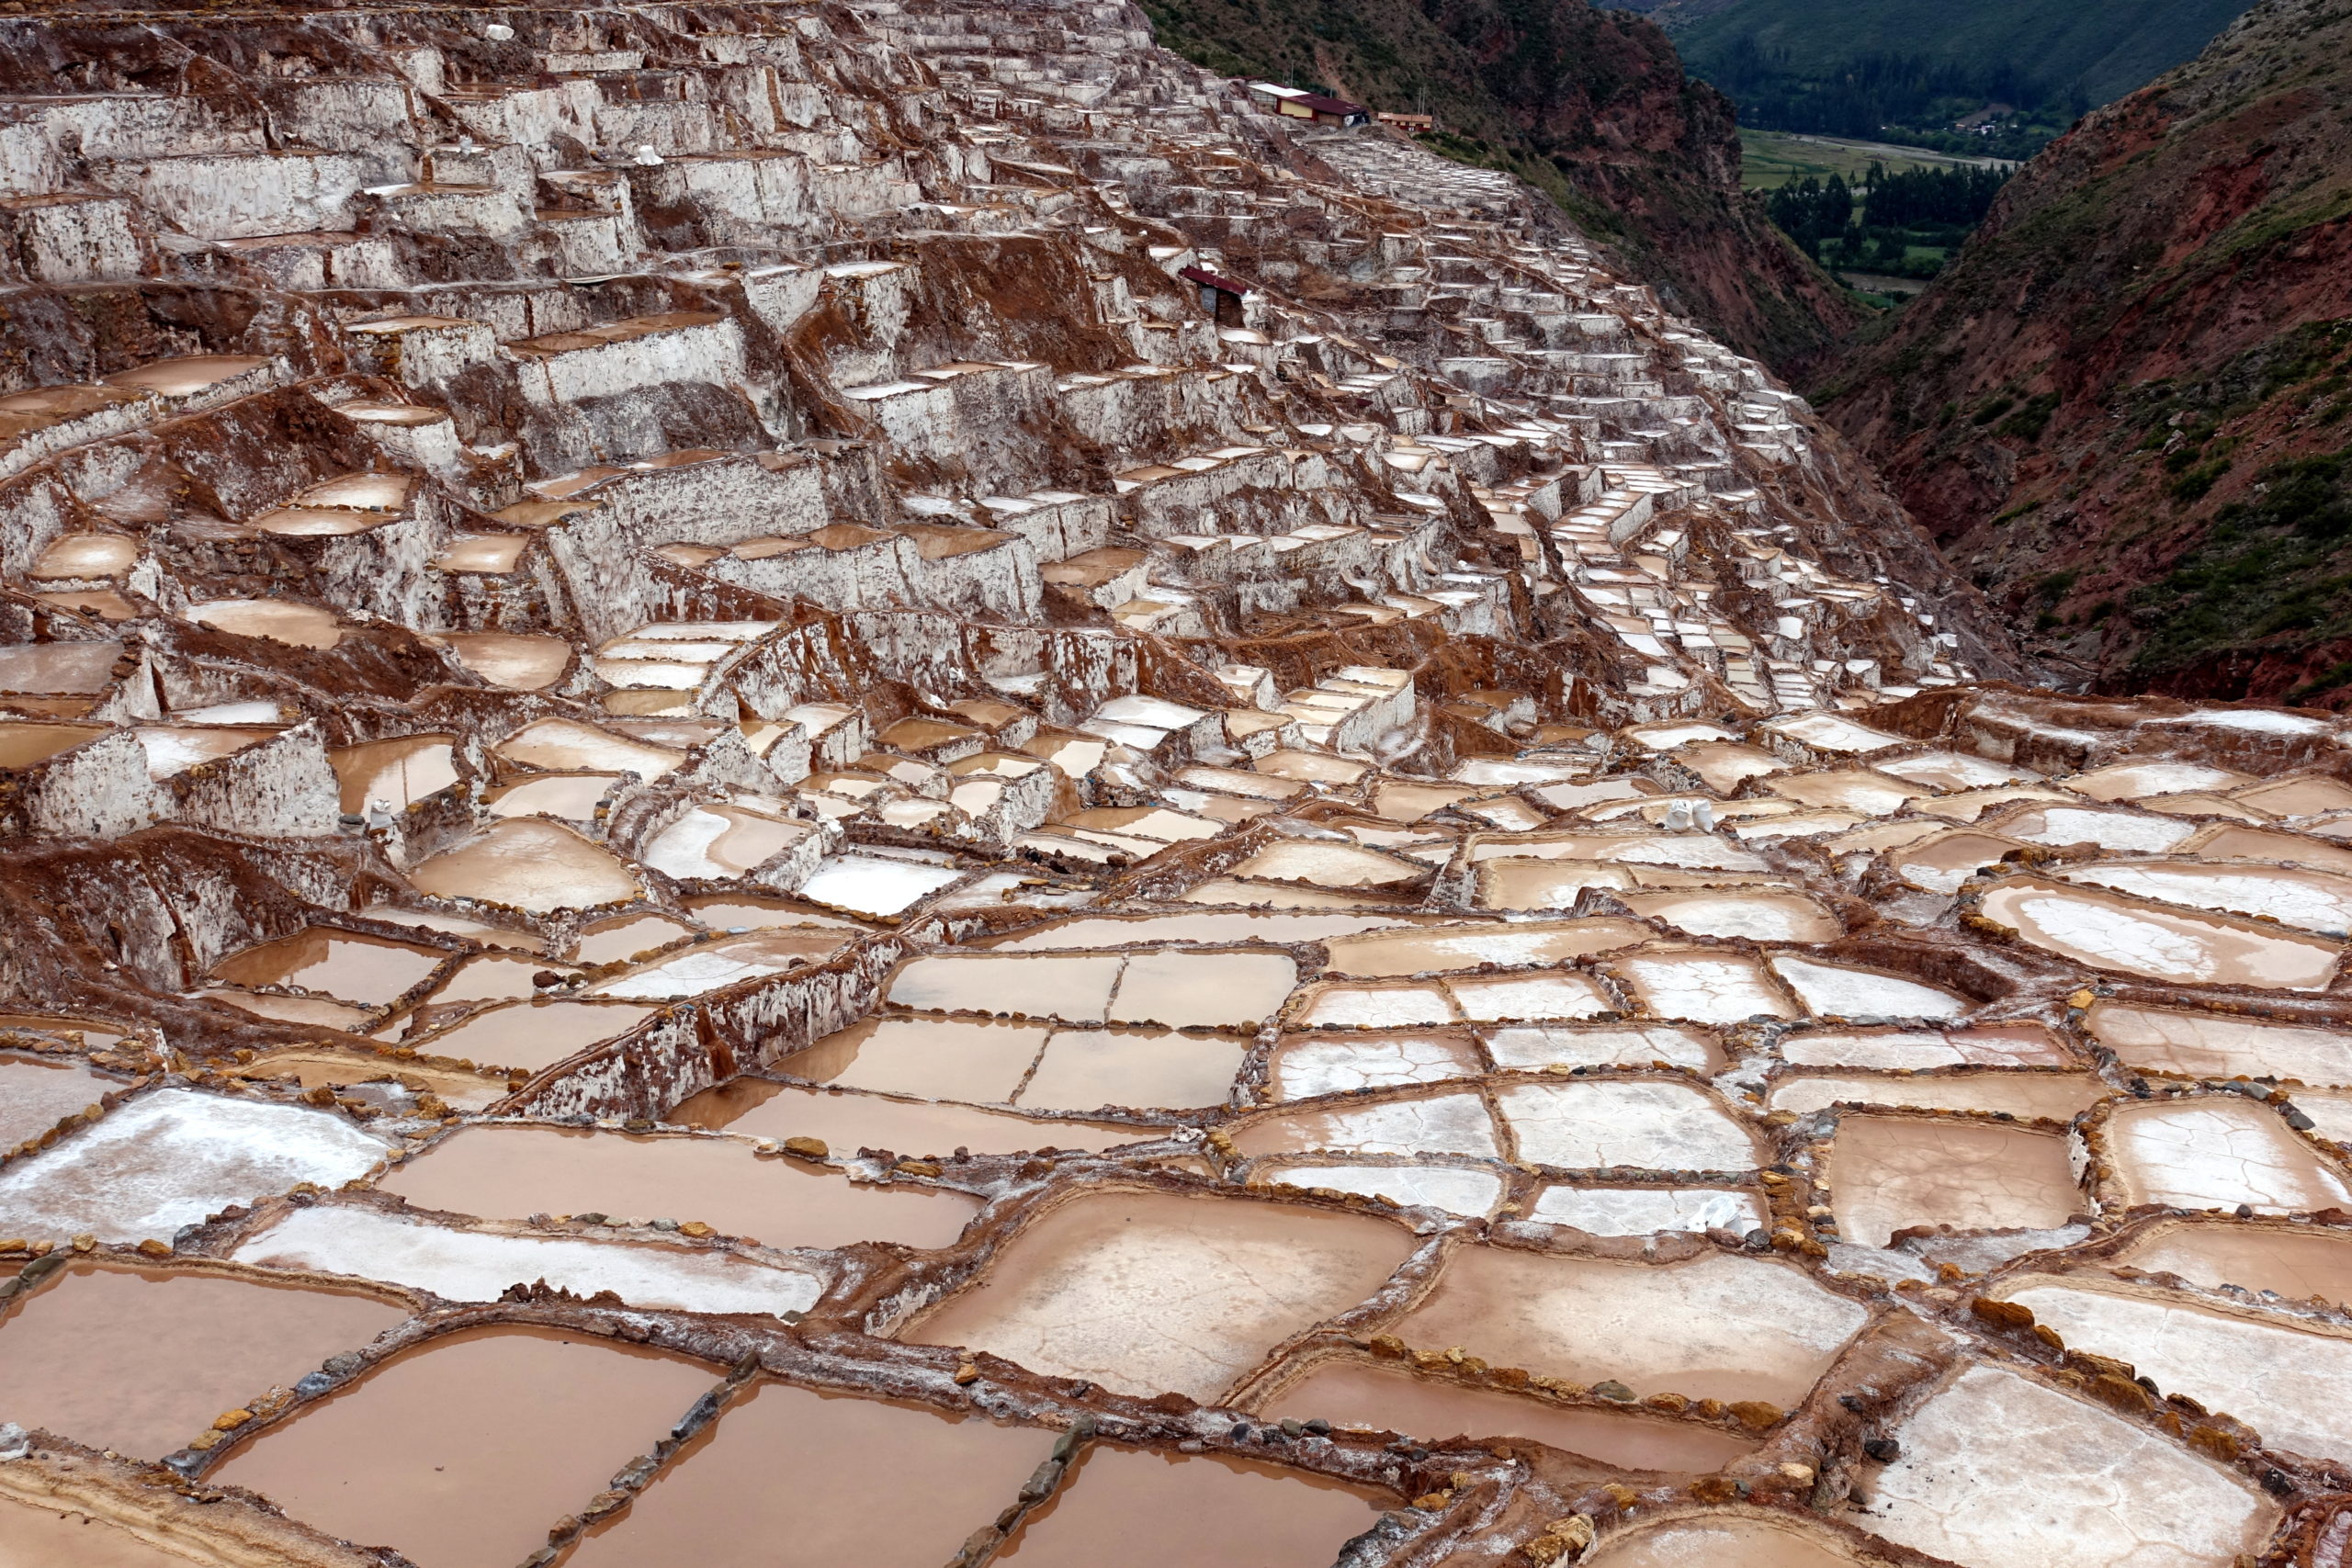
(2124, 409)
(1591, 106)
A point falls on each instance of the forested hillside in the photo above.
(1998, 76)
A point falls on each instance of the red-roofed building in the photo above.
(1220, 295)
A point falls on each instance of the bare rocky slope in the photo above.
(2123, 409)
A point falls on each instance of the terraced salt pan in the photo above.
(1889, 1173)
(173, 750)
(1760, 917)
(903, 1485)
(876, 885)
(631, 936)
(731, 960)
(2215, 1045)
(740, 912)
(278, 620)
(1734, 1541)
(1971, 805)
(400, 771)
(2231, 843)
(312, 1066)
(1640, 1122)
(1412, 1005)
(2059, 1096)
(572, 797)
(1954, 770)
(1415, 950)
(1434, 1124)
(1151, 1293)
(2288, 1382)
(532, 1035)
(169, 1157)
(1460, 1191)
(1193, 1509)
(323, 1011)
(1512, 998)
(1990, 1045)
(1529, 883)
(949, 1058)
(141, 1361)
(2298, 1263)
(456, 925)
(530, 863)
(1829, 732)
(2297, 797)
(479, 1266)
(1847, 789)
(1321, 863)
(1942, 861)
(2307, 900)
(1305, 1066)
(368, 970)
(1702, 987)
(1718, 1327)
(2134, 781)
(766, 1109)
(517, 663)
(1088, 1069)
(1696, 851)
(1725, 765)
(2115, 830)
(1832, 990)
(35, 1096)
(2115, 933)
(512, 1172)
(1177, 988)
(563, 745)
(1545, 1045)
(2218, 1153)
(1645, 1210)
(720, 842)
(2067, 1486)
(1348, 1393)
(1205, 926)
(471, 1445)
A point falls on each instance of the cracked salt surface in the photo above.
(2289, 1383)
(1646, 1211)
(2115, 933)
(2219, 1153)
(1894, 1172)
(2065, 1485)
(1664, 1127)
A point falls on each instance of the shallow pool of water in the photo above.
(460, 1453)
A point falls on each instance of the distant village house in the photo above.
(1221, 296)
(1297, 103)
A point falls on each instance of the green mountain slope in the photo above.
(2125, 409)
(2109, 48)
(1591, 106)
(1912, 68)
